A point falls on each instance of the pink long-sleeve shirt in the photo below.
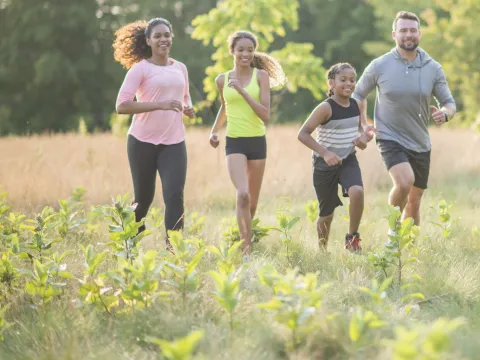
(150, 83)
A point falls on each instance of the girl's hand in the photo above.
(214, 140)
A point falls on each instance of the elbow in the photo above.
(120, 108)
(300, 136)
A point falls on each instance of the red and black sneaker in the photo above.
(352, 242)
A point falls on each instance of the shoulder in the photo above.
(180, 64)
(262, 74)
(324, 108)
(377, 64)
(262, 77)
(138, 69)
(139, 66)
(220, 80)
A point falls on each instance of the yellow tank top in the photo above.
(241, 119)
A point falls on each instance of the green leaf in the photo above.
(408, 297)
(66, 275)
(193, 264)
(354, 330)
(292, 222)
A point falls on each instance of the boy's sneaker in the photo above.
(352, 242)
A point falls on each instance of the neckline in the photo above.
(251, 78)
(171, 62)
(343, 107)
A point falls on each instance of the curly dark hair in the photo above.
(261, 60)
(334, 70)
(130, 44)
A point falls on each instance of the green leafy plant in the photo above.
(226, 256)
(311, 208)
(9, 274)
(362, 321)
(41, 285)
(231, 234)
(285, 223)
(444, 218)
(227, 291)
(182, 264)
(139, 281)
(180, 349)
(4, 325)
(68, 217)
(123, 228)
(402, 245)
(40, 244)
(93, 290)
(426, 342)
(296, 299)
(378, 292)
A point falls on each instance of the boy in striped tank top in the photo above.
(339, 131)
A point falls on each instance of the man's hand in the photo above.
(438, 115)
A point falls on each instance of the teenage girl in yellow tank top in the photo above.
(245, 106)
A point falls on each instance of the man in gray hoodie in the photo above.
(405, 79)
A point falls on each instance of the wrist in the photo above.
(447, 117)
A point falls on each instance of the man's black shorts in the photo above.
(393, 154)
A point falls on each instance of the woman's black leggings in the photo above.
(171, 163)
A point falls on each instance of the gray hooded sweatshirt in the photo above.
(404, 91)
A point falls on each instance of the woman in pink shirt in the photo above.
(156, 138)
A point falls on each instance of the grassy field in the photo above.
(347, 323)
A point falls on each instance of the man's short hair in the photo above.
(407, 15)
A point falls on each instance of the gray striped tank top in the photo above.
(338, 133)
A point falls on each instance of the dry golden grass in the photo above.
(39, 170)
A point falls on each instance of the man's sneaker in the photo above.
(389, 243)
(352, 242)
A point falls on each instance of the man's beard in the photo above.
(409, 48)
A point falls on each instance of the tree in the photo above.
(47, 64)
(453, 39)
(266, 19)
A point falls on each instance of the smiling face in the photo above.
(160, 40)
(407, 34)
(344, 82)
(243, 51)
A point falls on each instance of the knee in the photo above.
(243, 199)
(404, 185)
(355, 193)
(173, 197)
(325, 220)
